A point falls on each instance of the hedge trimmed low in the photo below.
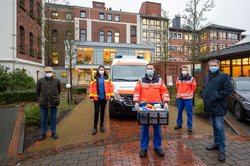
(16, 97)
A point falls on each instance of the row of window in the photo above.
(213, 47)
(55, 15)
(22, 45)
(32, 9)
(102, 16)
(222, 35)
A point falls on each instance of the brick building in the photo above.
(21, 32)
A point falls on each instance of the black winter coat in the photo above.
(216, 87)
(48, 90)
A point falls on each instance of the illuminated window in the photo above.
(117, 37)
(54, 15)
(63, 74)
(55, 58)
(85, 56)
(108, 56)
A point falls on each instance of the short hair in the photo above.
(149, 64)
(214, 61)
(184, 67)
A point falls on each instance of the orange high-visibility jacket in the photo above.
(151, 91)
(93, 92)
(185, 88)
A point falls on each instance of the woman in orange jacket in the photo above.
(101, 90)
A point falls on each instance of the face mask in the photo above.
(101, 72)
(184, 72)
(48, 75)
(213, 69)
(150, 73)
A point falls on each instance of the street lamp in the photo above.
(68, 86)
(170, 84)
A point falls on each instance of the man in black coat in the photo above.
(216, 87)
(48, 89)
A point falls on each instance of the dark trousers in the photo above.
(99, 105)
(44, 119)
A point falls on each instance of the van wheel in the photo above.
(238, 113)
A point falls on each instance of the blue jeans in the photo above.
(145, 137)
(219, 131)
(188, 103)
(44, 119)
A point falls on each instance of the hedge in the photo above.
(16, 97)
(79, 91)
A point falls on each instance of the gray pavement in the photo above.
(7, 124)
(241, 128)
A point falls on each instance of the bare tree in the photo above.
(70, 44)
(195, 21)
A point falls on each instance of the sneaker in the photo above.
(143, 153)
(221, 156)
(177, 127)
(54, 135)
(159, 152)
(102, 129)
(190, 130)
(41, 137)
(212, 147)
(94, 131)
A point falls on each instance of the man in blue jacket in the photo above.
(216, 87)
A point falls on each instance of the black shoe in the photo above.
(190, 130)
(177, 127)
(212, 147)
(54, 135)
(159, 152)
(143, 153)
(221, 156)
(102, 129)
(41, 137)
(94, 131)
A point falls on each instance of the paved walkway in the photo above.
(7, 119)
(119, 145)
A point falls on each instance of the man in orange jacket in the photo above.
(150, 89)
(186, 85)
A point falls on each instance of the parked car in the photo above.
(239, 100)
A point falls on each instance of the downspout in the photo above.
(14, 48)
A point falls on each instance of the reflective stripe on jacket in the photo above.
(185, 88)
(151, 91)
(93, 89)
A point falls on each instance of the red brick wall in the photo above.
(30, 26)
(98, 26)
(151, 9)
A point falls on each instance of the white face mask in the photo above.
(101, 72)
(184, 72)
(48, 75)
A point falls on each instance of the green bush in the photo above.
(32, 114)
(199, 107)
(172, 92)
(199, 91)
(4, 78)
(79, 90)
(16, 97)
(19, 80)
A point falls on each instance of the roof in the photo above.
(245, 40)
(216, 26)
(240, 48)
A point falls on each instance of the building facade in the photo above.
(100, 34)
(21, 32)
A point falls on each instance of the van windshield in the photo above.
(128, 72)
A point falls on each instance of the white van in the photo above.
(125, 72)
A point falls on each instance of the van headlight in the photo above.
(246, 105)
(117, 96)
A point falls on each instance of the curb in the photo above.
(234, 127)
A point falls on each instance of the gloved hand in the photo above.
(111, 98)
(166, 105)
(137, 106)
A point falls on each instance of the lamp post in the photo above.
(170, 84)
(68, 86)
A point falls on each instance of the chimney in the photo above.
(98, 5)
(176, 22)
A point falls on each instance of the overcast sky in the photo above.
(231, 13)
